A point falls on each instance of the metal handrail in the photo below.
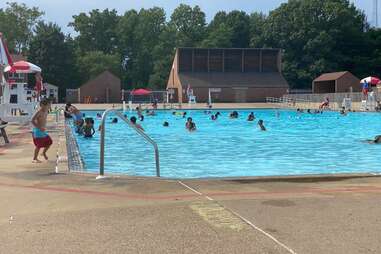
(139, 131)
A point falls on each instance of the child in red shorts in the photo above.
(41, 138)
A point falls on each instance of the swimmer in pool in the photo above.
(376, 140)
(150, 113)
(166, 124)
(261, 125)
(190, 125)
(234, 115)
(114, 120)
(343, 112)
(133, 121)
(251, 117)
(88, 128)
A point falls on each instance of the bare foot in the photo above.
(45, 156)
(36, 161)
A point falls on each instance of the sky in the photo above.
(61, 11)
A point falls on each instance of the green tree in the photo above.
(92, 63)
(220, 37)
(163, 54)
(140, 35)
(228, 30)
(189, 24)
(239, 23)
(17, 22)
(257, 23)
(219, 34)
(370, 64)
(97, 31)
(50, 50)
(317, 36)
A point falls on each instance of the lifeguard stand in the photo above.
(191, 97)
(18, 101)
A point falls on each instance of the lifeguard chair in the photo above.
(192, 99)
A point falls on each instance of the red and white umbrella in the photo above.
(371, 80)
(22, 67)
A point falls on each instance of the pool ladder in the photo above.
(140, 132)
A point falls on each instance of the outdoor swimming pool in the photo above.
(293, 145)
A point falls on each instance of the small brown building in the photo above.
(336, 82)
(105, 88)
(229, 75)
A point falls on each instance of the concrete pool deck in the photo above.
(44, 212)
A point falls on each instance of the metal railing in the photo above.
(286, 102)
(144, 135)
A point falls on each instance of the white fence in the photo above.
(333, 97)
(20, 113)
(336, 100)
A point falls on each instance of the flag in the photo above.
(189, 90)
(5, 57)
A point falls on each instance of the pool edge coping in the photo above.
(321, 177)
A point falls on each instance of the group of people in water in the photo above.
(85, 125)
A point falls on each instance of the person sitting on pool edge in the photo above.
(261, 125)
(190, 125)
(251, 117)
(88, 128)
(133, 121)
(324, 104)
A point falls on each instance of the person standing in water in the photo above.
(261, 125)
(133, 121)
(190, 125)
(88, 128)
(251, 117)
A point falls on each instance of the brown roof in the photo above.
(261, 80)
(102, 79)
(331, 76)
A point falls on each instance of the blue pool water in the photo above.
(293, 145)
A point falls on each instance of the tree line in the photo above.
(317, 36)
